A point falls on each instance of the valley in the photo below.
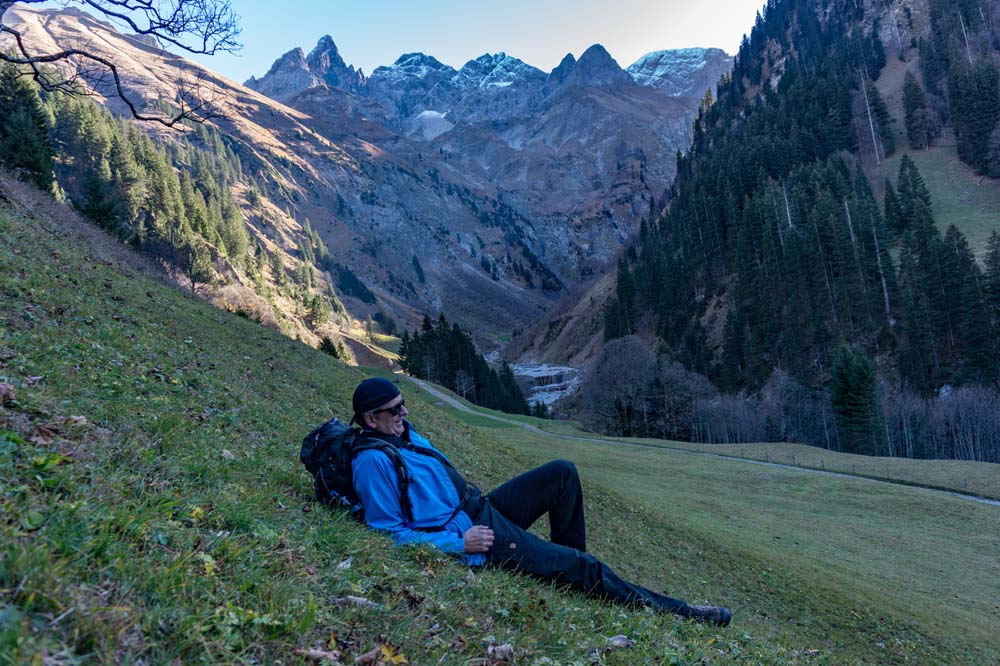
(155, 489)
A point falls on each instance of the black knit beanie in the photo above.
(371, 394)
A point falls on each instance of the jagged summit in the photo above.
(288, 76)
(562, 70)
(595, 68)
(413, 65)
(295, 72)
(497, 70)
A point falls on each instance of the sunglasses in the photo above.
(394, 410)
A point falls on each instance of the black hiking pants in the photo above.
(554, 488)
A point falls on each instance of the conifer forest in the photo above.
(850, 323)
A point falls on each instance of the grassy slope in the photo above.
(960, 196)
(808, 549)
(161, 513)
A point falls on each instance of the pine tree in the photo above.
(915, 113)
(196, 263)
(326, 345)
(895, 217)
(910, 190)
(918, 358)
(974, 96)
(24, 129)
(854, 399)
(883, 121)
(991, 287)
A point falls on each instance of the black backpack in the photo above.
(328, 451)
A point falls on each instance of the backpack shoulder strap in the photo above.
(366, 443)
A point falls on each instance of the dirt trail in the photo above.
(616, 442)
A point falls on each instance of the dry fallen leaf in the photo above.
(620, 641)
(345, 564)
(503, 652)
(391, 655)
(44, 433)
(6, 394)
(356, 601)
(76, 420)
(35, 381)
(457, 644)
(318, 655)
(227, 454)
(371, 658)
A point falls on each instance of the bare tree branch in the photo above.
(195, 26)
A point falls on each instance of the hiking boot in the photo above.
(717, 615)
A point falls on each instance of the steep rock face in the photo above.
(288, 76)
(595, 68)
(325, 62)
(681, 72)
(294, 73)
(402, 88)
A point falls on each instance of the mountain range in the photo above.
(486, 193)
(580, 154)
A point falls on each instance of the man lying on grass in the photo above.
(456, 517)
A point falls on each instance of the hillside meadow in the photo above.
(154, 510)
(959, 195)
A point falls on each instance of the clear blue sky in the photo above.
(370, 33)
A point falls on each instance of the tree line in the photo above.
(446, 355)
(633, 392)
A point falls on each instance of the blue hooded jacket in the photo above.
(432, 495)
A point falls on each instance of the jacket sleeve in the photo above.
(377, 484)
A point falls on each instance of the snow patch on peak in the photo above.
(325, 44)
(428, 125)
(412, 60)
(495, 71)
(679, 71)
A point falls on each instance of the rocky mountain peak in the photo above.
(291, 61)
(496, 70)
(596, 67)
(288, 76)
(325, 62)
(294, 72)
(416, 64)
(680, 72)
(562, 70)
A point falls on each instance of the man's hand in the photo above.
(478, 539)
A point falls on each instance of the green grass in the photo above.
(153, 509)
(962, 476)
(959, 196)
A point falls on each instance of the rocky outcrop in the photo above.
(681, 72)
(294, 73)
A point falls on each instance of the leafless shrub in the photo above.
(965, 425)
(673, 396)
(615, 396)
(246, 303)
